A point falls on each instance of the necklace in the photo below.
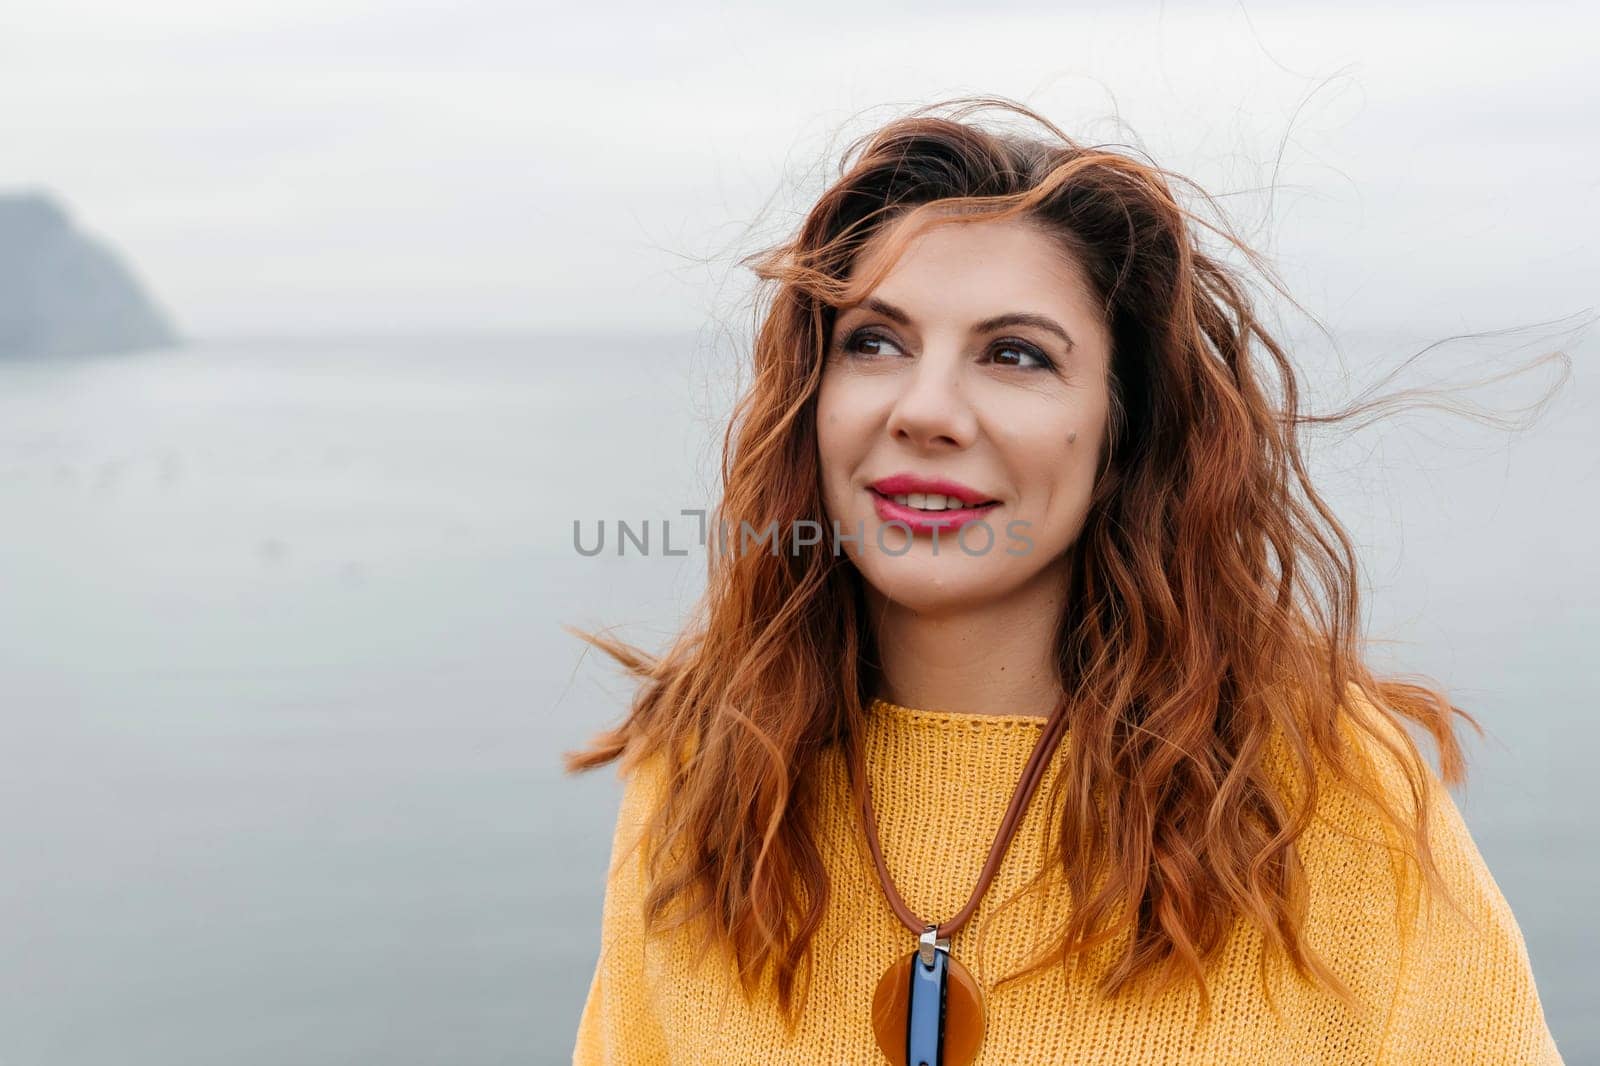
(928, 1009)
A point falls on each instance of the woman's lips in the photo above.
(926, 522)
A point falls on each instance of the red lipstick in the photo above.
(975, 503)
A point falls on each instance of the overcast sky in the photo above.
(352, 164)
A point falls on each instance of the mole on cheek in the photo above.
(1071, 437)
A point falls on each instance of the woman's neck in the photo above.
(994, 657)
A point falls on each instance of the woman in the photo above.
(1012, 728)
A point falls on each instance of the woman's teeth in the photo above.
(931, 501)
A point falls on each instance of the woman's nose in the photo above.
(933, 409)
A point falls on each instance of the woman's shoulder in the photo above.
(1447, 945)
(1385, 845)
(1378, 790)
(644, 779)
(1369, 771)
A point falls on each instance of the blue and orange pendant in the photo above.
(928, 1008)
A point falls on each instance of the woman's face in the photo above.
(953, 379)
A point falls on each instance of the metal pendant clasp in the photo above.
(928, 943)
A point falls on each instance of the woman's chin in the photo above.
(929, 585)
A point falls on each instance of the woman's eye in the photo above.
(1021, 354)
(853, 344)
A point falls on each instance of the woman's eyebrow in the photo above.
(1010, 318)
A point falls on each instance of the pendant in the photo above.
(928, 1008)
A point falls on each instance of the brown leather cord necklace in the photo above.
(928, 1009)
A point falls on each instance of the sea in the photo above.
(285, 684)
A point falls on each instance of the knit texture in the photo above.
(1437, 987)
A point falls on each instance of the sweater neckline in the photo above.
(929, 716)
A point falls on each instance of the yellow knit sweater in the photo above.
(1438, 991)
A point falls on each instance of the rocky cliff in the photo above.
(64, 293)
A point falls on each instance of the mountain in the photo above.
(64, 293)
